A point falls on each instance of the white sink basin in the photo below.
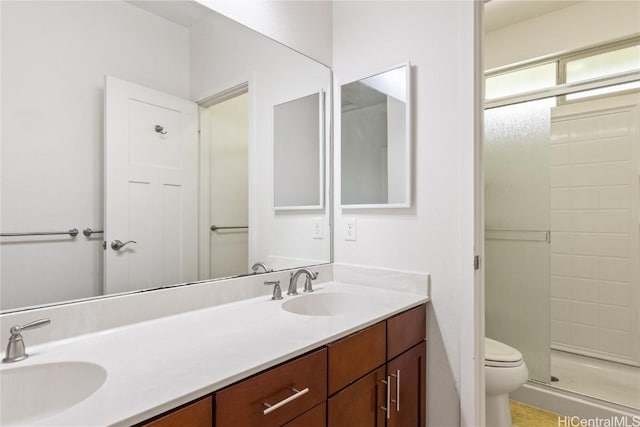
(33, 392)
(325, 304)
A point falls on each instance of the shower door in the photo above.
(517, 233)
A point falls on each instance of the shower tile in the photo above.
(614, 317)
(560, 131)
(615, 197)
(562, 220)
(584, 128)
(561, 243)
(560, 176)
(614, 173)
(560, 309)
(584, 198)
(560, 198)
(560, 332)
(585, 267)
(614, 149)
(561, 287)
(614, 293)
(584, 152)
(585, 175)
(585, 290)
(613, 269)
(559, 155)
(613, 221)
(585, 221)
(584, 336)
(561, 265)
(585, 244)
(614, 342)
(614, 124)
(585, 313)
(612, 245)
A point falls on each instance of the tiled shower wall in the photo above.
(594, 224)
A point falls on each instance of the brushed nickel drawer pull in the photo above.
(397, 401)
(275, 406)
(386, 408)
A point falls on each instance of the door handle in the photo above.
(116, 245)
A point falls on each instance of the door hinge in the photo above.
(476, 262)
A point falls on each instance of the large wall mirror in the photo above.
(148, 128)
(376, 140)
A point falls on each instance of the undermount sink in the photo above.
(325, 304)
(34, 392)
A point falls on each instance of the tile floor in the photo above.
(527, 416)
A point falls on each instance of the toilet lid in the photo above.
(500, 354)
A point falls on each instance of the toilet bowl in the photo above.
(505, 372)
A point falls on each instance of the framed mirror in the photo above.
(376, 140)
(137, 150)
(298, 153)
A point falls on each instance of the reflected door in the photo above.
(151, 184)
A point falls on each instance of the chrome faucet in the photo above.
(258, 265)
(293, 281)
(15, 349)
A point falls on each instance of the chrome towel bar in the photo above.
(73, 233)
(216, 228)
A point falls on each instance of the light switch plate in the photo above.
(350, 229)
(317, 229)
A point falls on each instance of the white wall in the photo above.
(585, 24)
(276, 74)
(436, 234)
(302, 25)
(54, 59)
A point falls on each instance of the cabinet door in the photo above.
(197, 414)
(360, 404)
(408, 388)
(314, 417)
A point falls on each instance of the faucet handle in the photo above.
(277, 292)
(15, 347)
(17, 329)
(308, 287)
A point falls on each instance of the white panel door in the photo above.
(151, 187)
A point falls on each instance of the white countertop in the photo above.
(156, 365)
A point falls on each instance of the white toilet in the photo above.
(505, 372)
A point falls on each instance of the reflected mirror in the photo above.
(298, 134)
(139, 125)
(375, 141)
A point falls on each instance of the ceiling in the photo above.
(185, 13)
(501, 13)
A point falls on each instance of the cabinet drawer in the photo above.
(243, 404)
(197, 414)
(406, 330)
(356, 355)
(315, 417)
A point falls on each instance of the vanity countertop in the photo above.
(156, 365)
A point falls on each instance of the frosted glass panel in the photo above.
(517, 203)
(528, 79)
(614, 62)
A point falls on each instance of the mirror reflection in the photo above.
(375, 141)
(141, 123)
(298, 135)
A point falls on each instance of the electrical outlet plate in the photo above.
(350, 229)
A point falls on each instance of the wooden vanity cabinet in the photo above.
(346, 383)
(393, 392)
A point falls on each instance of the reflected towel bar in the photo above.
(73, 233)
(216, 228)
(88, 231)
